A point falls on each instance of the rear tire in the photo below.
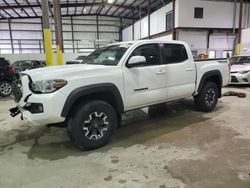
(207, 99)
(5, 88)
(92, 125)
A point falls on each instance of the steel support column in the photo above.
(97, 30)
(58, 31)
(72, 33)
(133, 26)
(11, 37)
(42, 35)
(120, 30)
(46, 32)
(174, 29)
(240, 27)
(149, 19)
(208, 39)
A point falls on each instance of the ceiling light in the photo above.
(84, 10)
(110, 1)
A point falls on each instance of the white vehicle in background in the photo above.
(240, 69)
(90, 97)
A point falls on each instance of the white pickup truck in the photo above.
(91, 97)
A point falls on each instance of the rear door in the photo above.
(145, 84)
(180, 71)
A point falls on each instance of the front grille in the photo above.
(234, 79)
(16, 90)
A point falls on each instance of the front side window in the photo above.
(109, 55)
(174, 53)
(151, 52)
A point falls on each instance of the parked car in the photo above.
(43, 62)
(240, 69)
(90, 97)
(78, 60)
(7, 76)
(26, 65)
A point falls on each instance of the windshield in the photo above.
(240, 60)
(109, 55)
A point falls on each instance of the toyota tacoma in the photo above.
(90, 97)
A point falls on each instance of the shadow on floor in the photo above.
(138, 127)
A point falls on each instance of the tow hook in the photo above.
(14, 111)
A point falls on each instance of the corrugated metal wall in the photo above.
(27, 34)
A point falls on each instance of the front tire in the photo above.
(92, 125)
(207, 99)
(5, 88)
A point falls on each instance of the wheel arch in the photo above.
(106, 91)
(213, 76)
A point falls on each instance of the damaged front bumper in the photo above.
(38, 109)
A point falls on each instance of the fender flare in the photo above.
(92, 89)
(208, 75)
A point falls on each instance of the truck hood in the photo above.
(67, 71)
(240, 68)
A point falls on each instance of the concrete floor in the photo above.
(178, 148)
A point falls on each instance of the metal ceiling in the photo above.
(12, 9)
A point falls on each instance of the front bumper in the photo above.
(52, 105)
(237, 78)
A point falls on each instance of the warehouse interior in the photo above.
(57, 63)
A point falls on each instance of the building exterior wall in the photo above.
(245, 41)
(216, 14)
(157, 24)
(213, 34)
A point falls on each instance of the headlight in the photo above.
(244, 72)
(47, 86)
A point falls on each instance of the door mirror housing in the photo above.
(136, 61)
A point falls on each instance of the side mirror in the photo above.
(136, 61)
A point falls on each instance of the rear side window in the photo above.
(151, 52)
(174, 53)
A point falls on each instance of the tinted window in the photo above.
(151, 52)
(198, 12)
(174, 53)
(169, 21)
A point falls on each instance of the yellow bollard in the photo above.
(59, 55)
(238, 49)
(48, 47)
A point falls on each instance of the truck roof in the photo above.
(148, 41)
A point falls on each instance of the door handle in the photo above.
(189, 69)
(160, 72)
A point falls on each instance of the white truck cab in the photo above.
(90, 97)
